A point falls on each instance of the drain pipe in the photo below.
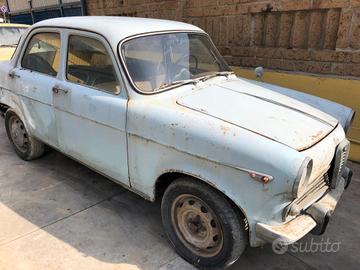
(83, 9)
(31, 11)
(8, 10)
(61, 8)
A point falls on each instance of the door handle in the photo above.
(57, 90)
(13, 75)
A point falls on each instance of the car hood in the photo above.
(262, 111)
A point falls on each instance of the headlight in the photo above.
(303, 177)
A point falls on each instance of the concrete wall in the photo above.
(315, 36)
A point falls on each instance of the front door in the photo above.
(90, 106)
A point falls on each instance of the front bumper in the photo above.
(314, 219)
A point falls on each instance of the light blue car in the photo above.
(152, 105)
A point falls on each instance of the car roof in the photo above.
(14, 25)
(115, 29)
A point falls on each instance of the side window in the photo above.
(43, 54)
(89, 63)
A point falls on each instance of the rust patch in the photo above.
(317, 136)
(224, 129)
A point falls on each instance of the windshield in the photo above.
(10, 36)
(159, 61)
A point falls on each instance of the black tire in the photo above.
(32, 148)
(233, 231)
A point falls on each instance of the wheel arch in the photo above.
(16, 111)
(10, 101)
(167, 177)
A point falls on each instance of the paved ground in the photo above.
(57, 214)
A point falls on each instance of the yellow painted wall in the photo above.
(344, 91)
(6, 53)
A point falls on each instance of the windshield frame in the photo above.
(123, 63)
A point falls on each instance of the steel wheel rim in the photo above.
(197, 226)
(18, 134)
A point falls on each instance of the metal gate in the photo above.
(32, 11)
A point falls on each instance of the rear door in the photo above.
(90, 106)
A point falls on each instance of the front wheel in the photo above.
(202, 225)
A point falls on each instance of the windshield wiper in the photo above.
(176, 83)
(194, 81)
(216, 74)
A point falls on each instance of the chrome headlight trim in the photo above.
(302, 178)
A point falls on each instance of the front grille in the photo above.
(314, 191)
(343, 160)
(339, 162)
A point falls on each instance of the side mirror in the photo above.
(259, 72)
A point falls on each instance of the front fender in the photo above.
(258, 201)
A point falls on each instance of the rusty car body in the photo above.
(276, 155)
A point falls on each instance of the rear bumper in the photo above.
(313, 220)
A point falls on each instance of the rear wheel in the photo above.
(25, 146)
(202, 225)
